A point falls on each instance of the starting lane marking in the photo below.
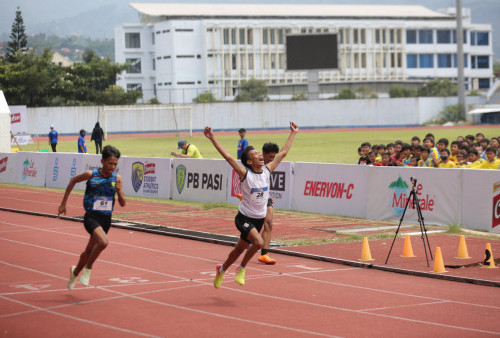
(31, 287)
(129, 280)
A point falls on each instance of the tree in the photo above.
(206, 97)
(438, 87)
(345, 94)
(18, 38)
(453, 113)
(252, 90)
(399, 91)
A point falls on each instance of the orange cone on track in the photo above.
(462, 249)
(365, 251)
(438, 262)
(407, 250)
(489, 261)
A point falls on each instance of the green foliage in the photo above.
(345, 94)
(453, 113)
(18, 39)
(365, 92)
(496, 69)
(153, 100)
(206, 97)
(399, 91)
(473, 93)
(438, 87)
(299, 97)
(252, 90)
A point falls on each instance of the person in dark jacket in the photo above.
(98, 137)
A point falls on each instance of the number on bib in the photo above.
(103, 203)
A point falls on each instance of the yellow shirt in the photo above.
(489, 165)
(192, 151)
(448, 164)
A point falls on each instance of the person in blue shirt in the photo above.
(82, 146)
(53, 138)
(242, 143)
(99, 200)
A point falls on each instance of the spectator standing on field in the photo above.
(97, 136)
(242, 143)
(53, 138)
(82, 146)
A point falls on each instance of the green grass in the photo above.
(337, 146)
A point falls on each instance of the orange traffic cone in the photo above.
(365, 251)
(462, 249)
(489, 261)
(438, 262)
(407, 250)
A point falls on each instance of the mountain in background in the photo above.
(96, 19)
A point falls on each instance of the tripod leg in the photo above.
(422, 229)
(397, 230)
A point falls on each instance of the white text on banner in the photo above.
(146, 177)
(61, 168)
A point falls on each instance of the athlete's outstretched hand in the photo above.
(61, 210)
(209, 133)
(293, 127)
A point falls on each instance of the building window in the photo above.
(265, 36)
(272, 35)
(426, 60)
(482, 39)
(249, 36)
(233, 61)
(242, 36)
(184, 30)
(425, 36)
(473, 38)
(281, 38)
(233, 36)
(154, 64)
(153, 38)
(411, 60)
(132, 40)
(443, 36)
(185, 56)
(186, 83)
(225, 33)
(134, 87)
(411, 36)
(444, 60)
(483, 61)
(484, 83)
(135, 66)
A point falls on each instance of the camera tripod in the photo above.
(423, 231)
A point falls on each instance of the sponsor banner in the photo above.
(8, 167)
(146, 177)
(18, 120)
(330, 188)
(30, 168)
(437, 190)
(280, 186)
(61, 168)
(481, 200)
(199, 180)
(22, 140)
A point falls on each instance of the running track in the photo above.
(150, 285)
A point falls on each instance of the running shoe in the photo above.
(266, 259)
(240, 276)
(72, 278)
(218, 276)
(85, 277)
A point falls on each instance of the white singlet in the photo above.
(255, 193)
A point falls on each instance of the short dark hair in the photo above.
(244, 156)
(446, 150)
(430, 139)
(425, 149)
(458, 143)
(405, 146)
(443, 141)
(390, 145)
(430, 135)
(242, 130)
(474, 151)
(490, 149)
(270, 147)
(470, 137)
(366, 144)
(109, 151)
(485, 140)
(479, 134)
(415, 138)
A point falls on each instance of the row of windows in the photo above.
(443, 36)
(445, 61)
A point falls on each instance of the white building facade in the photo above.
(179, 51)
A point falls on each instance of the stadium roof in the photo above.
(487, 109)
(172, 10)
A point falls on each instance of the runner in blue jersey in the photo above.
(98, 202)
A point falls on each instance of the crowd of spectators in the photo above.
(474, 152)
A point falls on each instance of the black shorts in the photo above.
(93, 220)
(244, 224)
(269, 202)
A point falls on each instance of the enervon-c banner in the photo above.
(280, 186)
(438, 192)
(330, 188)
(18, 120)
(146, 177)
(61, 168)
(198, 180)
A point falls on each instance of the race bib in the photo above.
(103, 203)
(258, 194)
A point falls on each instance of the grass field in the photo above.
(335, 146)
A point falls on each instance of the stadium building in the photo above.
(178, 51)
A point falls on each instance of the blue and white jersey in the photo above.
(100, 193)
(255, 193)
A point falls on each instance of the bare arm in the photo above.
(236, 166)
(176, 154)
(119, 190)
(77, 179)
(284, 150)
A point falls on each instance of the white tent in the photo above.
(4, 125)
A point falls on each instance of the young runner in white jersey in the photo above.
(254, 181)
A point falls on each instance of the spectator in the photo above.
(484, 143)
(494, 143)
(442, 144)
(454, 148)
(479, 137)
(371, 157)
(445, 159)
(375, 151)
(386, 159)
(460, 139)
(431, 136)
(53, 138)
(416, 150)
(390, 148)
(365, 149)
(413, 162)
(415, 141)
(491, 161)
(242, 143)
(97, 136)
(433, 152)
(425, 159)
(396, 157)
(381, 150)
(470, 138)
(82, 146)
(405, 156)
(461, 158)
(188, 150)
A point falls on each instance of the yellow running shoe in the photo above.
(218, 276)
(85, 277)
(72, 278)
(266, 259)
(240, 276)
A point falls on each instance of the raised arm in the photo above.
(236, 166)
(78, 178)
(284, 150)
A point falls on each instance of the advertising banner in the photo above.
(146, 177)
(61, 168)
(18, 120)
(280, 186)
(30, 168)
(481, 200)
(8, 167)
(437, 190)
(199, 180)
(330, 188)
(91, 162)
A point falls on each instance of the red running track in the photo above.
(150, 285)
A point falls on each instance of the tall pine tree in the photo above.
(18, 37)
